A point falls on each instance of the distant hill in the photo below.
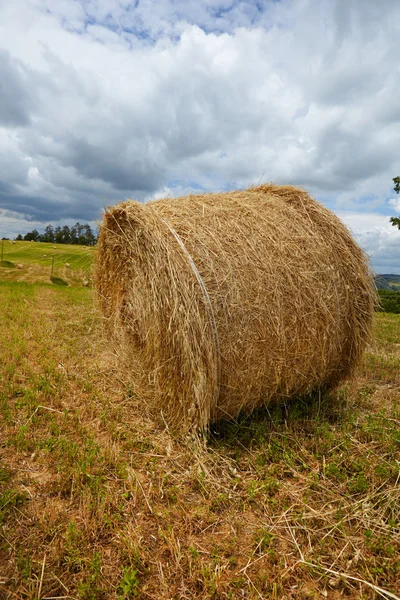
(36, 262)
(388, 282)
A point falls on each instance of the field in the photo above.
(35, 262)
(98, 502)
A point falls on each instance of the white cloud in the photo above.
(395, 202)
(378, 236)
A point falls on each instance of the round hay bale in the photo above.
(224, 302)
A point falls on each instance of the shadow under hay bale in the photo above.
(306, 414)
(225, 302)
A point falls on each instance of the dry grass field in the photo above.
(96, 502)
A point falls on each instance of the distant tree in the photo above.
(57, 234)
(89, 237)
(82, 234)
(66, 235)
(5, 238)
(395, 221)
(32, 236)
(76, 233)
(48, 235)
(62, 235)
(396, 181)
(19, 238)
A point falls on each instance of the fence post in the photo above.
(52, 267)
(2, 250)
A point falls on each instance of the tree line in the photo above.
(77, 234)
(389, 301)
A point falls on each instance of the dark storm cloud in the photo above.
(77, 148)
(85, 206)
(14, 92)
(32, 207)
(42, 210)
(123, 170)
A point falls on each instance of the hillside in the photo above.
(32, 262)
(388, 282)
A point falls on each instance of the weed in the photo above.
(9, 500)
(24, 565)
(91, 588)
(5, 475)
(358, 484)
(128, 587)
(264, 540)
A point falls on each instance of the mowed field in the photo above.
(34, 262)
(97, 501)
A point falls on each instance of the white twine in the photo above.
(206, 296)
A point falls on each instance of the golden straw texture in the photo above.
(224, 302)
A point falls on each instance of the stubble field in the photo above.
(97, 501)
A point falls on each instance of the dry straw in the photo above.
(225, 302)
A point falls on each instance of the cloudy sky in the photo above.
(102, 100)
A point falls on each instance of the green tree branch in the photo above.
(395, 221)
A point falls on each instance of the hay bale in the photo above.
(224, 302)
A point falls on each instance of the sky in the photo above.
(104, 100)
